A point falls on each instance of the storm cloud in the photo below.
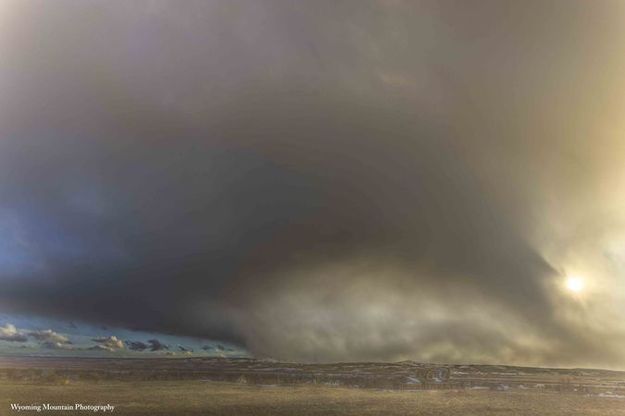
(156, 345)
(136, 345)
(320, 181)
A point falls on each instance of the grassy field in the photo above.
(215, 398)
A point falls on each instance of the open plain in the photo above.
(215, 386)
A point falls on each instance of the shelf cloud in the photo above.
(376, 180)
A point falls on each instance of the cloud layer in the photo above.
(364, 180)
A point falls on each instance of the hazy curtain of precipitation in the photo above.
(372, 180)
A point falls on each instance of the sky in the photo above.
(45, 337)
(387, 180)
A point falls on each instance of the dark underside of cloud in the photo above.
(322, 182)
(136, 345)
(14, 338)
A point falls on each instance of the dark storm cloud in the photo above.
(362, 180)
(156, 345)
(136, 345)
(14, 338)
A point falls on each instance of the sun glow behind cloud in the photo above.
(574, 284)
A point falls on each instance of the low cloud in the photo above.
(137, 345)
(156, 345)
(111, 343)
(10, 333)
(49, 336)
(51, 345)
(99, 347)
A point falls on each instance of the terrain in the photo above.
(217, 386)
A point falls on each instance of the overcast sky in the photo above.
(353, 180)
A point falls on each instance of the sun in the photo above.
(574, 284)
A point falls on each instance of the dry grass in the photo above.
(212, 398)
